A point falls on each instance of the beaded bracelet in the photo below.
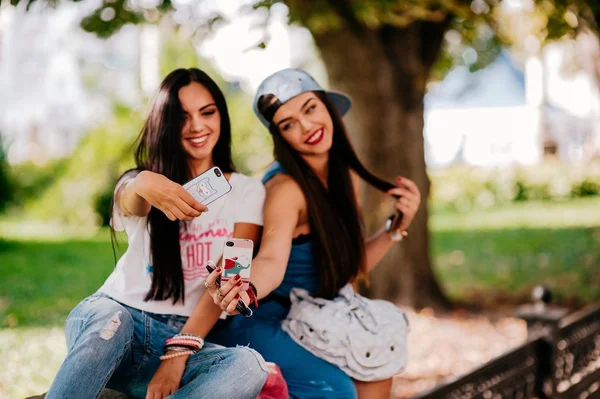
(189, 336)
(176, 354)
(191, 345)
(182, 344)
(185, 342)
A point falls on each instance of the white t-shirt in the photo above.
(203, 240)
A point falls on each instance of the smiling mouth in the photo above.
(316, 137)
(198, 141)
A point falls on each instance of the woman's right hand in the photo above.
(167, 378)
(167, 196)
(228, 295)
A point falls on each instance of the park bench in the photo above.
(560, 360)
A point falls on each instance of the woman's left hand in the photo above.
(167, 378)
(408, 202)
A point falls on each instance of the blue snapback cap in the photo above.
(287, 84)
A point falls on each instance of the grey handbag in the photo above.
(365, 338)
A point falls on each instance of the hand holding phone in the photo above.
(241, 306)
(163, 194)
(208, 186)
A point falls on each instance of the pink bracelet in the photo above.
(199, 342)
(176, 354)
(195, 344)
(188, 336)
(183, 340)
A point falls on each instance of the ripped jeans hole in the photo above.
(108, 331)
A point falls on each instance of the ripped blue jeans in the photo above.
(118, 347)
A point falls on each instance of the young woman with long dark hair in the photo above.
(313, 241)
(116, 337)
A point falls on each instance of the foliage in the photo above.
(479, 26)
(465, 188)
(100, 157)
(78, 190)
(6, 184)
(109, 18)
(478, 30)
(531, 26)
(177, 51)
(102, 205)
(32, 180)
(251, 143)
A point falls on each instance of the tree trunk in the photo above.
(385, 72)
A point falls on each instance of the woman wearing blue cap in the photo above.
(328, 341)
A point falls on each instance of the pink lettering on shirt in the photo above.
(197, 246)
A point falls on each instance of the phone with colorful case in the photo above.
(208, 186)
(237, 259)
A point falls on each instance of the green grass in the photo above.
(485, 256)
(41, 281)
(494, 265)
(492, 256)
(581, 212)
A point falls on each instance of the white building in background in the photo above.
(47, 65)
(495, 116)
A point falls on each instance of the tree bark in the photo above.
(385, 72)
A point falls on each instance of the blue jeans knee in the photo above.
(99, 333)
(253, 364)
(250, 358)
(102, 322)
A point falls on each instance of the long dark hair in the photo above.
(159, 150)
(335, 222)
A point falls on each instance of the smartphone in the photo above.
(237, 259)
(208, 186)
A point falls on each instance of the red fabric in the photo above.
(275, 386)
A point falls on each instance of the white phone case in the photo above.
(208, 186)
